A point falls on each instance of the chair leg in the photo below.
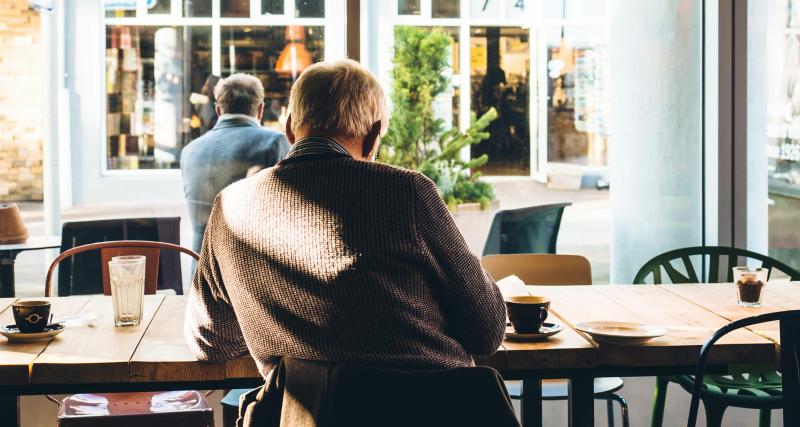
(659, 401)
(610, 409)
(764, 417)
(714, 413)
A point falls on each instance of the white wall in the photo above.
(655, 156)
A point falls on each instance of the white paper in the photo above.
(512, 286)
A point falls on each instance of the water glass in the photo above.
(127, 288)
(750, 283)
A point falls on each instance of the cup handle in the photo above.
(542, 314)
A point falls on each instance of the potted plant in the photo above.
(418, 140)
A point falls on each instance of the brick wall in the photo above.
(20, 108)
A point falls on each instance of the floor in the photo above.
(585, 230)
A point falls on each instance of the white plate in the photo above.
(547, 330)
(14, 335)
(622, 333)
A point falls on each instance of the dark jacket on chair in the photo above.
(302, 393)
(221, 157)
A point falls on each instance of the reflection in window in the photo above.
(151, 75)
(408, 7)
(276, 55)
(446, 8)
(500, 76)
(272, 7)
(309, 8)
(577, 94)
(115, 9)
(234, 8)
(782, 102)
(197, 8)
(160, 7)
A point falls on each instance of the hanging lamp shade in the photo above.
(12, 229)
(295, 57)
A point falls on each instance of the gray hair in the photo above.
(340, 97)
(239, 94)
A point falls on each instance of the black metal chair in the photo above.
(80, 275)
(789, 364)
(531, 230)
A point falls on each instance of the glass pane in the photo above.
(234, 8)
(276, 55)
(779, 64)
(153, 77)
(272, 7)
(500, 77)
(309, 8)
(159, 7)
(408, 7)
(577, 91)
(446, 8)
(120, 8)
(197, 8)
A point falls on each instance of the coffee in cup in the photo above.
(527, 313)
(31, 316)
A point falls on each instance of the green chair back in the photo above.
(682, 265)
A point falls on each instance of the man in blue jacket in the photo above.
(236, 147)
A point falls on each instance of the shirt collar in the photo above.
(317, 146)
(231, 117)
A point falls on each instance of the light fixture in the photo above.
(295, 57)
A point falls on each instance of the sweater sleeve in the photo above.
(211, 327)
(469, 298)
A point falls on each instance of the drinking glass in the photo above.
(749, 285)
(127, 288)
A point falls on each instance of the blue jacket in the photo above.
(221, 157)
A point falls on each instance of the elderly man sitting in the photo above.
(329, 256)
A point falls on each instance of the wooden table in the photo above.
(8, 255)
(153, 356)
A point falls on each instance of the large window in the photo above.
(163, 59)
(782, 102)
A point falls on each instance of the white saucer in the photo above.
(547, 330)
(14, 335)
(621, 333)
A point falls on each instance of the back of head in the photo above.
(239, 94)
(337, 98)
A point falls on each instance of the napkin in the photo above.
(512, 286)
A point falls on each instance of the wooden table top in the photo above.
(156, 351)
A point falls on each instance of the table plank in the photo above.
(16, 359)
(565, 350)
(687, 325)
(98, 353)
(162, 354)
(720, 298)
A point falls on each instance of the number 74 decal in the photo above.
(519, 4)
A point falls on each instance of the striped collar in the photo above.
(317, 146)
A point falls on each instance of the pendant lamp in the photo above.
(295, 57)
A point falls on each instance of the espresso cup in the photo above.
(527, 313)
(31, 316)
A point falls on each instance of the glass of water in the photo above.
(127, 288)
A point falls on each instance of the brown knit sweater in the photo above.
(340, 260)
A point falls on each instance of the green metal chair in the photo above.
(753, 388)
